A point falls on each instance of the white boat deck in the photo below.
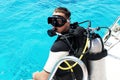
(112, 61)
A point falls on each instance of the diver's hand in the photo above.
(40, 75)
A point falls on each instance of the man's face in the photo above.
(64, 27)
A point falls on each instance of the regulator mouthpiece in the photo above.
(51, 32)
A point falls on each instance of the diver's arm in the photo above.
(53, 58)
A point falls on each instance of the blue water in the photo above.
(24, 43)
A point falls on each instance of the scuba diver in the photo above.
(70, 41)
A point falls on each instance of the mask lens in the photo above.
(57, 21)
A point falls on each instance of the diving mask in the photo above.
(57, 21)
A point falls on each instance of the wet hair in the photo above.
(63, 10)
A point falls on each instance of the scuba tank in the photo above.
(96, 55)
